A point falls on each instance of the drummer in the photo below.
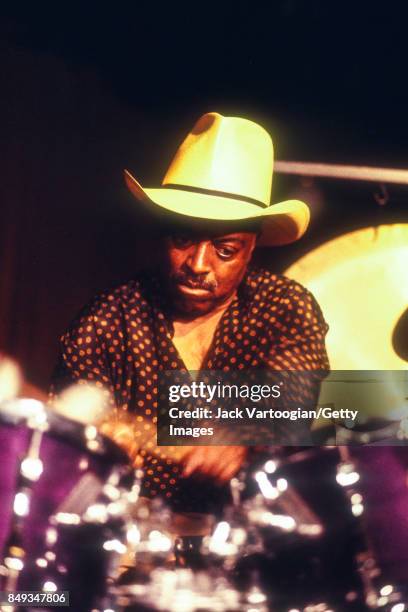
(206, 307)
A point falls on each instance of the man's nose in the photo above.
(198, 259)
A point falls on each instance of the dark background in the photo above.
(88, 91)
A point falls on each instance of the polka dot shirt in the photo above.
(122, 341)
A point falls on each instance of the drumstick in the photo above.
(89, 405)
(86, 404)
(136, 435)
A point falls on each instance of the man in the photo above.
(205, 309)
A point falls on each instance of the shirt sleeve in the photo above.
(84, 354)
(297, 357)
(92, 352)
(298, 333)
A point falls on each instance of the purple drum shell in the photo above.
(66, 460)
(384, 486)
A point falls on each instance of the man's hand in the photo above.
(219, 462)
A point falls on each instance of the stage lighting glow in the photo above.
(312, 530)
(219, 540)
(266, 487)
(32, 468)
(238, 536)
(386, 590)
(399, 607)
(21, 504)
(50, 556)
(14, 563)
(270, 466)
(382, 601)
(111, 491)
(221, 532)
(356, 498)
(158, 542)
(347, 475)
(357, 509)
(133, 535)
(114, 546)
(67, 518)
(282, 521)
(96, 513)
(281, 484)
(255, 596)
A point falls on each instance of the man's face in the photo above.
(204, 270)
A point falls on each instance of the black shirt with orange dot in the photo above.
(122, 340)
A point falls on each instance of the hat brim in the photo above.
(282, 223)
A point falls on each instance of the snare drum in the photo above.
(62, 493)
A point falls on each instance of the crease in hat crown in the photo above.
(226, 154)
(222, 171)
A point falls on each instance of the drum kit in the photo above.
(72, 520)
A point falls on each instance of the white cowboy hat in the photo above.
(223, 171)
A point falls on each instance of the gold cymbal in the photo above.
(360, 280)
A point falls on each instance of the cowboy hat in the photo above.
(223, 172)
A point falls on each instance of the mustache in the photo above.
(184, 278)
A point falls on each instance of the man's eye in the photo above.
(225, 252)
(181, 242)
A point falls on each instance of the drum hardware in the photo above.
(65, 498)
(181, 590)
(276, 503)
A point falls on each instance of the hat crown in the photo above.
(225, 154)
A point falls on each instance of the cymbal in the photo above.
(360, 280)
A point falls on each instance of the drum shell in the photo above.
(63, 467)
(71, 462)
(384, 487)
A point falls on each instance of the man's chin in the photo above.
(194, 307)
(191, 304)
